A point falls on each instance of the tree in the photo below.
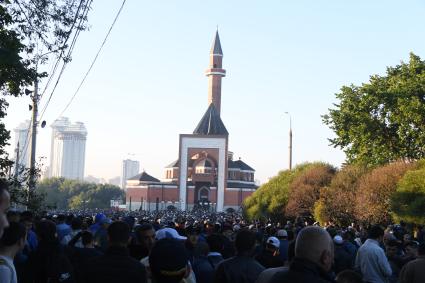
(408, 202)
(375, 191)
(383, 120)
(305, 189)
(270, 200)
(61, 193)
(32, 33)
(337, 202)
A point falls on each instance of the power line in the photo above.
(70, 50)
(64, 44)
(95, 58)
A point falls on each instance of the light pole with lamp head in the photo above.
(290, 140)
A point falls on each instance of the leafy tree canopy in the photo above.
(382, 120)
(408, 202)
(71, 194)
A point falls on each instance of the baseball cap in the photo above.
(169, 233)
(274, 242)
(338, 240)
(282, 233)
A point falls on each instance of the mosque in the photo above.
(205, 174)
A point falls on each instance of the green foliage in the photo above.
(270, 200)
(408, 202)
(71, 194)
(337, 201)
(375, 191)
(383, 120)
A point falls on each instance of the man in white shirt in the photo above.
(12, 241)
(371, 259)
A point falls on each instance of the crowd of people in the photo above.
(199, 246)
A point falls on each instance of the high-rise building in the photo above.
(68, 149)
(22, 143)
(130, 168)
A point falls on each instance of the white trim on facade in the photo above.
(195, 142)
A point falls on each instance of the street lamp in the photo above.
(290, 140)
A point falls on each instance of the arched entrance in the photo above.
(203, 194)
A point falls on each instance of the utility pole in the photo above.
(17, 162)
(35, 98)
(290, 140)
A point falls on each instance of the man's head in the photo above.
(315, 244)
(168, 261)
(376, 233)
(27, 218)
(145, 234)
(411, 249)
(391, 248)
(14, 237)
(272, 244)
(215, 243)
(46, 231)
(118, 234)
(4, 205)
(282, 234)
(348, 276)
(87, 239)
(245, 242)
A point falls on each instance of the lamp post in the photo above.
(290, 140)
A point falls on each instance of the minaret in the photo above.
(214, 73)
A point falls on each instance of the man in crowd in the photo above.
(343, 259)
(371, 259)
(269, 256)
(216, 246)
(145, 238)
(241, 268)
(169, 262)
(116, 265)
(4, 205)
(414, 271)
(282, 235)
(314, 256)
(12, 241)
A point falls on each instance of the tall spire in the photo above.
(214, 73)
(216, 46)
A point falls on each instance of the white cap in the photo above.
(282, 233)
(169, 233)
(273, 241)
(338, 240)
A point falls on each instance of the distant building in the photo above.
(205, 174)
(22, 143)
(68, 149)
(130, 168)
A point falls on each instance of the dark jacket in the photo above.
(215, 260)
(115, 266)
(49, 262)
(267, 259)
(203, 269)
(241, 269)
(301, 271)
(343, 259)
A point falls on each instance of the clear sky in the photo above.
(148, 85)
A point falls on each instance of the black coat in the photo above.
(115, 266)
(267, 259)
(241, 269)
(301, 271)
